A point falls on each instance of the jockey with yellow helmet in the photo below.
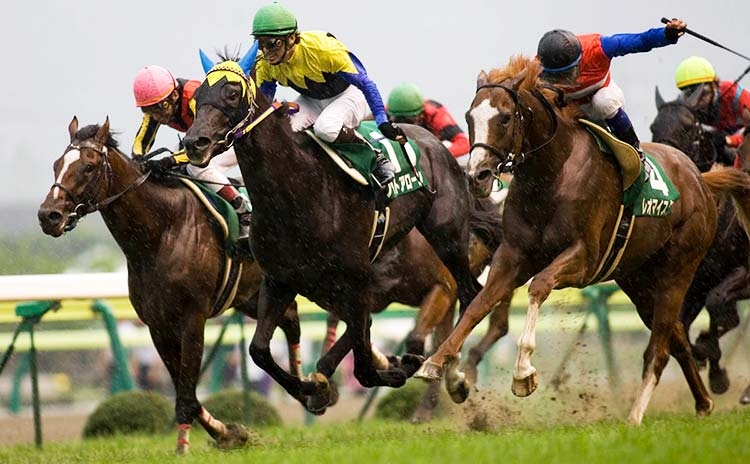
(724, 105)
(407, 105)
(579, 66)
(335, 90)
(166, 100)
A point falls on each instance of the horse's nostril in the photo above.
(202, 143)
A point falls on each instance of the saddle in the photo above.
(627, 156)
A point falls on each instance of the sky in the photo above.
(79, 58)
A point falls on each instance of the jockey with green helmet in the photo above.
(335, 90)
(580, 66)
(723, 105)
(165, 100)
(407, 105)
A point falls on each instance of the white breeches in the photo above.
(605, 102)
(329, 115)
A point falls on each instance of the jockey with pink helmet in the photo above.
(166, 100)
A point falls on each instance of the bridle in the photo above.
(509, 160)
(694, 137)
(85, 205)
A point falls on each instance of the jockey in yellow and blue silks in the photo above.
(335, 90)
(579, 66)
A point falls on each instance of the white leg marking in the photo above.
(526, 344)
(643, 398)
(70, 157)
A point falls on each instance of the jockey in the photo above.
(334, 88)
(724, 105)
(166, 100)
(407, 105)
(579, 66)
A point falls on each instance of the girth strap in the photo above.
(617, 244)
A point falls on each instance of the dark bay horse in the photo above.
(311, 224)
(559, 218)
(175, 257)
(723, 276)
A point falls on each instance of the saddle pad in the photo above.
(653, 194)
(409, 176)
(231, 226)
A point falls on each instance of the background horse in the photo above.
(311, 224)
(723, 276)
(175, 257)
(559, 217)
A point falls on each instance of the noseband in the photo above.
(510, 160)
(87, 205)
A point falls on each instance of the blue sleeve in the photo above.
(269, 89)
(624, 44)
(363, 82)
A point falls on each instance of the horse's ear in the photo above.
(73, 128)
(482, 79)
(515, 81)
(206, 61)
(695, 97)
(659, 99)
(247, 61)
(102, 135)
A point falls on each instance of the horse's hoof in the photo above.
(429, 370)
(745, 398)
(458, 390)
(471, 373)
(181, 449)
(526, 386)
(236, 437)
(718, 380)
(393, 378)
(318, 404)
(705, 409)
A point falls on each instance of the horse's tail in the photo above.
(486, 222)
(736, 184)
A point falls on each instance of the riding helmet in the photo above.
(558, 51)
(692, 71)
(274, 20)
(405, 100)
(152, 84)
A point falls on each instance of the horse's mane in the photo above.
(88, 132)
(520, 63)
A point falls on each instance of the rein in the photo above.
(510, 160)
(247, 124)
(86, 207)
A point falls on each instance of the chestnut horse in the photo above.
(723, 276)
(175, 257)
(311, 224)
(558, 221)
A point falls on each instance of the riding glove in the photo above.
(160, 166)
(392, 131)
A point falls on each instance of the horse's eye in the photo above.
(503, 119)
(232, 95)
(89, 168)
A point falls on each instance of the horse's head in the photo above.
(677, 124)
(224, 105)
(81, 178)
(497, 120)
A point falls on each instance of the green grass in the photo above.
(666, 438)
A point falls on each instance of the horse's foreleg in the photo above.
(436, 307)
(567, 270)
(291, 328)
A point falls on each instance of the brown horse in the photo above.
(175, 257)
(559, 218)
(311, 224)
(421, 279)
(723, 276)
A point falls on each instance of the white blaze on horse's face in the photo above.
(70, 157)
(480, 118)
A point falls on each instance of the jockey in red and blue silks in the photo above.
(580, 67)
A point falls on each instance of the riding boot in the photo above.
(383, 172)
(622, 128)
(230, 194)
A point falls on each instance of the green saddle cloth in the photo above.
(362, 158)
(226, 211)
(652, 194)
